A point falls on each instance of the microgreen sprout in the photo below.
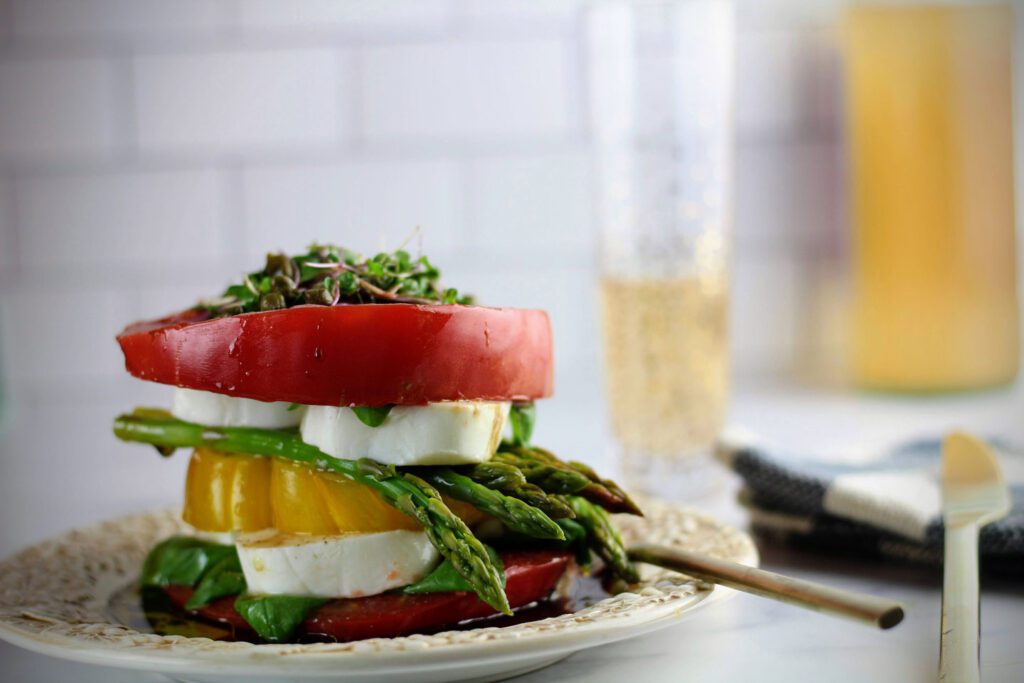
(327, 275)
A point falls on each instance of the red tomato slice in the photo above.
(350, 355)
(530, 575)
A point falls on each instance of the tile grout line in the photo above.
(407, 150)
(233, 38)
(125, 119)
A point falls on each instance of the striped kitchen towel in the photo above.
(887, 505)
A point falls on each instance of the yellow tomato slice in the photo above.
(296, 501)
(354, 507)
(226, 492)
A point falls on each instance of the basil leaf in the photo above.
(182, 560)
(275, 617)
(372, 416)
(444, 578)
(224, 578)
(522, 416)
(294, 406)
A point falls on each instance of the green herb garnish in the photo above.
(327, 275)
(372, 416)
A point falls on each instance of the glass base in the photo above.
(687, 477)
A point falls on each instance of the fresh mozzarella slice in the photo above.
(219, 537)
(345, 566)
(449, 433)
(218, 410)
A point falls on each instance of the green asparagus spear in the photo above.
(513, 513)
(609, 485)
(544, 469)
(605, 492)
(510, 481)
(405, 492)
(603, 537)
(550, 477)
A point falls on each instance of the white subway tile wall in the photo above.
(74, 18)
(109, 220)
(57, 109)
(59, 483)
(63, 345)
(289, 206)
(439, 93)
(390, 16)
(239, 102)
(506, 192)
(150, 151)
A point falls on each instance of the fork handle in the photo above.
(959, 649)
(879, 612)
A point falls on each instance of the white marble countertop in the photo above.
(748, 638)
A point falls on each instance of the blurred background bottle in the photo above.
(661, 88)
(929, 111)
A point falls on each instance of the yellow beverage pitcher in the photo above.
(930, 129)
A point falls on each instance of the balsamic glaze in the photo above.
(149, 610)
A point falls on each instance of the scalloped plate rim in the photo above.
(172, 663)
(427, 654)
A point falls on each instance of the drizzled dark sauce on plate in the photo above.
(149, 610)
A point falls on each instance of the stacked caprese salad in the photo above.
(361, 459)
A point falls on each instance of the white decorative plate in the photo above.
(55, 598)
